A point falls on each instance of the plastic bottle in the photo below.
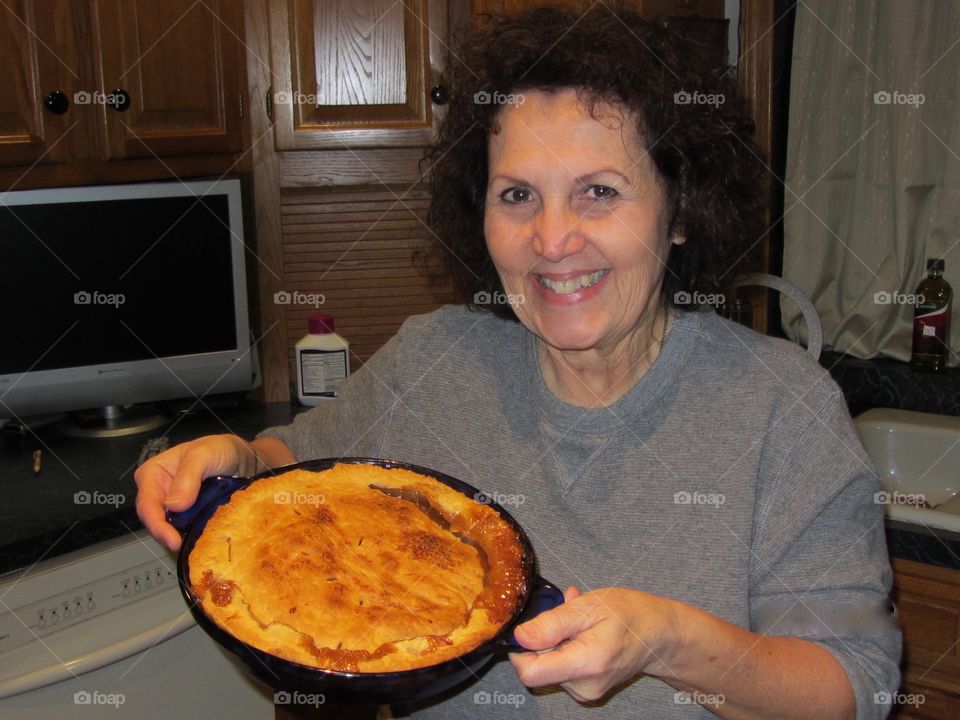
(323, 361)
(931, 320)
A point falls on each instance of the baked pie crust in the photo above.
(358, 568)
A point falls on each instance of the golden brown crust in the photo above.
(358, 568)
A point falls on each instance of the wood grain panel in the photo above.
(180, 61)
(353, 73)
(348, 167)
(355, 248)
(38, 54)
(929, 601)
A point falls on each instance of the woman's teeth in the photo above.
(565, 287)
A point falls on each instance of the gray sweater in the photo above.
(730, 477)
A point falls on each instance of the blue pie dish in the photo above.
(340, 687)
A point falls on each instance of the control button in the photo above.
(42, 619)
(126, 587)
(66, 612)
(54, 617)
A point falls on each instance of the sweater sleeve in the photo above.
(355, 422)
(820, 569)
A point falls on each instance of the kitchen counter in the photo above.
(32, 523)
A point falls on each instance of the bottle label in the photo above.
(930, 329)
(322, 371)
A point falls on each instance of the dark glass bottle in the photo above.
(931, 320)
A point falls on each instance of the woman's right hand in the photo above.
(171, 480)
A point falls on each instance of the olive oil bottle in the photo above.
(931, 320)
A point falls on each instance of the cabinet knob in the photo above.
(118, 100)
(438, 93)
(56, 102)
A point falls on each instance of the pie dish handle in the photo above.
(544, 596)
(210, 489)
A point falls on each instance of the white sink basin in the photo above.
(917, 457)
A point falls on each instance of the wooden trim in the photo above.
(266, 200)
(755, 72)
(323, 168)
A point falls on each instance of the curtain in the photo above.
(872, 183)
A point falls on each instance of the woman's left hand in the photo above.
(596, 641)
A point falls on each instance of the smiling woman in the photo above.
(699, 488)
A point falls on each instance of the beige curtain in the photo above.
(873, 167)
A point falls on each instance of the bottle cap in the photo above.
(935, 264)
(320, 324)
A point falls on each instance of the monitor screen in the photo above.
(121, 294)
(112, 281)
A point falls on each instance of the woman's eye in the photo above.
(516, 195)
(600, 192)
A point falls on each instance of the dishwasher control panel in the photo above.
(21, 625)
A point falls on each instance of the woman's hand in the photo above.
(608, 637)
(171, 480)
(601, 640)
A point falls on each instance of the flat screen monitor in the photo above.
(121, 294)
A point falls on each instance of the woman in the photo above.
(698, 487)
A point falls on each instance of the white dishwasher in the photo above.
(105, 633)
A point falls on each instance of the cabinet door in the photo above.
(355, 72)
(180, 63)
(38, 55)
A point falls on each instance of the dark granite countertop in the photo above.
(40, 518)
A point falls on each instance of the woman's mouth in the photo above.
(573, 284)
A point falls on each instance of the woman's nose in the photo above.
(557, 233)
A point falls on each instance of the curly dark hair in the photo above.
(702, 147)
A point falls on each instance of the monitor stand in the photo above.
(113, 421)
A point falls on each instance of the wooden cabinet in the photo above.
(647, 8)
(38, 55)
(179, 62)
(355, 73)
(928, 598)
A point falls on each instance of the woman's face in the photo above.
(576, 221)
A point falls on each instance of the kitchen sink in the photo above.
(917, 458)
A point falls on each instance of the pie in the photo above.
(358, 568)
